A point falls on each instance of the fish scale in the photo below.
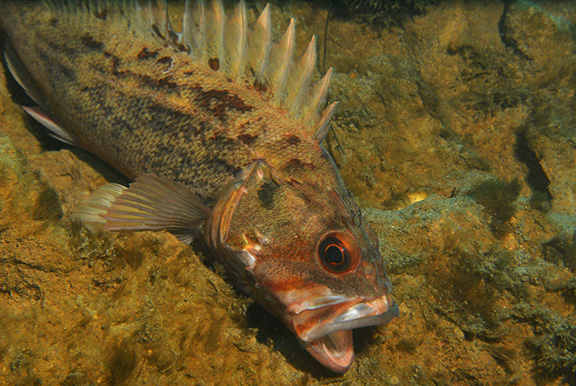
(222, 131)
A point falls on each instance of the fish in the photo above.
(220, 128)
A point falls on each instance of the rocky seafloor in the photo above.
(456, 130)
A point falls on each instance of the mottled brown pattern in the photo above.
(165, 60)
(90, 42)
(102, 15)
(145, 106)
(247, 139)
(102, 79)
(297, 164)
(146, 54)
(292, 139)
(219, 101)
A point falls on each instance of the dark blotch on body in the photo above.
(160, 110)
(229, 168)
(266, 194)
(165, 60)
(102, 15)
(59, 69)
(247, 139)
(295, 164)
(292, 139)
(115, 64)
(167, 82)
(157, 31)
(217, 101)
(261, 87)
(69, 74)
(64, 49)
(89, 42)
(145, 54)
(214, 64)
(182, 48)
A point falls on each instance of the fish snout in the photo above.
(326, 332)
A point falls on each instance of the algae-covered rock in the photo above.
(533, 30)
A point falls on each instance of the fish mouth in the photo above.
(326, 332)
(334, 351)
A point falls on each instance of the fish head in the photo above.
(303, 251)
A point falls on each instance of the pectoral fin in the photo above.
(150, 203)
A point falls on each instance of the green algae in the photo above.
(385, 12)
(498, 198)
(47, 206)
(491, 79)
(561, 250)
(554, 345)
(122, 363)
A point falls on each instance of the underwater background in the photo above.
(456, 131)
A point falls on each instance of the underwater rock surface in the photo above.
(456, 131)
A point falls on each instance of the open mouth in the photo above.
(329, 341)
(334, 351)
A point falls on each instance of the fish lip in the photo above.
(329, 340)
(334, 351)
(313, 324)
(364, 314)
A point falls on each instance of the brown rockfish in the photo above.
(222, 131)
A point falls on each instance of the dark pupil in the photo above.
(334, 255)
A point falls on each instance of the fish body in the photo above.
(221, 129)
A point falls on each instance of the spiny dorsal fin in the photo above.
(153, 13)
(311, 107)
(236, 42)
(194, 28)
(225, 43)
(259, 44)
(321, 128)
(300, 77)
(216, 22)
(281, 61)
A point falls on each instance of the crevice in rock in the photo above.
(536, 178)
(504, 32)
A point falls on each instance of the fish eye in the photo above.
(338, 252)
